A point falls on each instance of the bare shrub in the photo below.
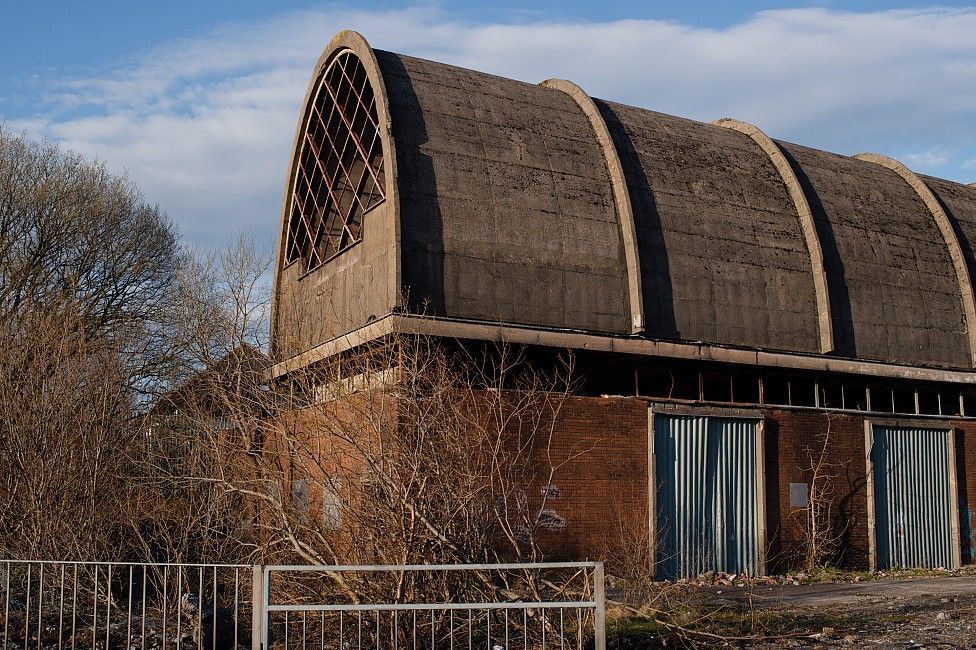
(823, 530)
(65, 437)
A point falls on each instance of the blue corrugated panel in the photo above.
(707, 505)
(912, 497)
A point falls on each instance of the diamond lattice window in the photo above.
(339, 174)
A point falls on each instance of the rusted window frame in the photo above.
(339, 174)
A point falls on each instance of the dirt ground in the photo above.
(862, 611)
(913, 613)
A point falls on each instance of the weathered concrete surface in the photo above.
(807, 225)
(506, 207)
(621, 195)
(944, 225)
(959, 203)
(893, 288)
(722, 252)
(362, 283)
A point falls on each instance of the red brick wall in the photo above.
(965, 433)
(793, 440)
(599, 452)
(603, 488)
(598, 492)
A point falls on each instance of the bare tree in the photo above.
(75, 237)
(823, 536)
(100, 310)
(221, 302)
(407, 450)
(65, 437)
(220, 308)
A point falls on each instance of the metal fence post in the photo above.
(257, 607)
(600, 614)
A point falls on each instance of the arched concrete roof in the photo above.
(807, 224)
(893, 286)
(507, 210)
(538, 206)
(722, 250)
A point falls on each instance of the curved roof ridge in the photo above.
(499, 210)
(807, 225)
(948, 234)
(621, 194)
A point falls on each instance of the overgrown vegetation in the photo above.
(102, 311)
(139, 420)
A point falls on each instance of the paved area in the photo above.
(936, 612)
(848, 593)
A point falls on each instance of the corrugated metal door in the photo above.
(913, 507)
(707, 503)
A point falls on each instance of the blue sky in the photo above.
(197, 101)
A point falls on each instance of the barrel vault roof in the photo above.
(538, 206)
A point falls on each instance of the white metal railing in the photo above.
(108, 605)
(134, 605)
(315, 618)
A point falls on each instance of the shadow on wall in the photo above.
(421, 222)
(652, 251)
(776, 560)
(964, 242)
(840, 300)
(853, 544)
(967, 517)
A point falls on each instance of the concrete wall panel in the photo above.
(504, 181)
(715, 227)
(893, 289)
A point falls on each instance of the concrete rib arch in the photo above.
(807, 225)
(621, 195)
(948, 234)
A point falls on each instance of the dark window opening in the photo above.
(776, 390)
(903, 399)
(880, 398)
(928, 402)
(745, 388)
(949, 400)
(969, 402)
(803, 391)
(338, 174)
(832, 395)
(727, 384)
(716, 387)
(669, 383)
(855, 396)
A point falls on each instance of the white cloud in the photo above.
(925, 160)
(204, 125)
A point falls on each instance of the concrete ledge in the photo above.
(521, 335)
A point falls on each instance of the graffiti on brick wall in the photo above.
(968, 531)
(547, 520)
(550, 492)
(551, 521)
